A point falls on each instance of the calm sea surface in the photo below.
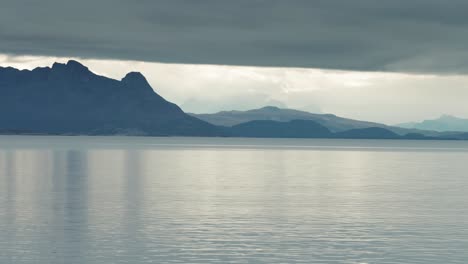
(214, 200)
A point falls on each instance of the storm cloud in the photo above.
(425, 36)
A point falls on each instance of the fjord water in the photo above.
(215, 200)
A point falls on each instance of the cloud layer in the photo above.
(427, 36)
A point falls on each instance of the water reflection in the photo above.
(72, 201)
(75, 216)
(8, 211)
(134, 204)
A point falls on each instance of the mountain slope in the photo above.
(275, 129)
(443, 123)
(70, 99)
(368, 133)
(332, 122)
(310, 129)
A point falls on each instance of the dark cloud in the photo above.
(387, 35)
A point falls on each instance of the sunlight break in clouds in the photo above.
(383, 97)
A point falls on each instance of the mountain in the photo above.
(332, 122)
(310, 129)
(463, 136)
(275, 129)
(443, 123)
(70, 99)
(368, 133)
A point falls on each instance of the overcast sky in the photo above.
(387, 61)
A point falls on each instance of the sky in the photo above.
(386, 61)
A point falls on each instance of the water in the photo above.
(189, 200)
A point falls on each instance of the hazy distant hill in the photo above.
(463, 136)
(443, 123)
(275, 129)
(70, 99)
(332, 122)
(368, 133)
(312, 129)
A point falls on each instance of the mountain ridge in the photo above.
(234, 117)
(333, 122)
(70, 99)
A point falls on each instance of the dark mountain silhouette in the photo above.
(312, 129)
(463, 136)
(455, 135)
(417, 136)
(70, 99)
(368, 133)
(275, 129)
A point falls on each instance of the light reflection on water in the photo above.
(183, 200)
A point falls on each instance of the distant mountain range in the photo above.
(312, 129)
(443, 123)
(273, 113)
(69, 99)
(334, 123)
